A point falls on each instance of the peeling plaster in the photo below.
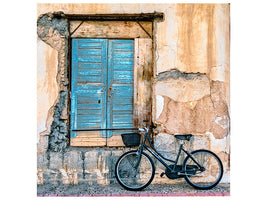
(190, 115)
(218, 145)
(222, 121)
(182, 87)
(160, 105)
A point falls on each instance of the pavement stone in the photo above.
(84, 189)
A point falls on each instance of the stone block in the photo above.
(115, 154)
(40, 176)
(42, 161)
(167, 145)
(199, 142)
(90, 160)
(90, 166)
(52, 177)
(69, 176)
(55, 160)
(73, 160)
(103, 167)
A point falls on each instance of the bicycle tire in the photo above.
(131, 178)
(213, 169)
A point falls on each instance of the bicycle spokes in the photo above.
(206, 176)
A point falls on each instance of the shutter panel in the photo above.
(120, 82)
(89, 72)
(102, 90)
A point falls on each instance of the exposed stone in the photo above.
(97, 166)
(175, 74)
(69, 176)
(167, 145)
(58, 139)
(52, 177)
(42, 161)
(90, 165)
(199, 142)
(40, 176)
(73, 159)
(225, 158)
(115, 154)
(55, 160)
(103, 168)
(48, 21)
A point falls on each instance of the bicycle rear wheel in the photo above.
(207, 177)
(133, 175)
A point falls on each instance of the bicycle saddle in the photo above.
(184, 137)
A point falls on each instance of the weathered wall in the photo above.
(190, 87)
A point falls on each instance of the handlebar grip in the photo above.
(145, 120)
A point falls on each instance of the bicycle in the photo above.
(135, 169)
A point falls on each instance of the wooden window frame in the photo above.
(142, 33)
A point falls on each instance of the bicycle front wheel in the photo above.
(206, 177)
(134, 172)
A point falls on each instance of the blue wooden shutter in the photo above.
(89, 72)
(120, 83)
(102, 85)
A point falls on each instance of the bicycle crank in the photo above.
(174, 175)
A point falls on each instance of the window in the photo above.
(110, 81)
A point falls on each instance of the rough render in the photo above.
(208, 112)
(191, 86)
(54, 32)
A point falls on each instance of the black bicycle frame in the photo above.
(160, 157)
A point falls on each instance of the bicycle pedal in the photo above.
(162, 174)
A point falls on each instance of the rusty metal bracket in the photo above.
(76, 28)
(144, 29)
(106, 129)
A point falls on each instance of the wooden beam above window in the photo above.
(112, 17)
(110, 29)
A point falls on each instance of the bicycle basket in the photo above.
(131, 139)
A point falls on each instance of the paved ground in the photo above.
(181, 189)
